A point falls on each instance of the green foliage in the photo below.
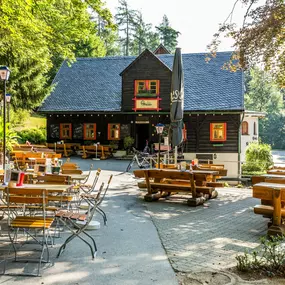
(260, 40)
(36, 36)
(262, 94)
(167, 34)
(11, 136)
(268, 258)
(33, 135)
(128, 142)
(258, 158)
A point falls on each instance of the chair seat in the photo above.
(11, 207)
(48, 208)
(71, 215)
(60, 198)
(32, 222)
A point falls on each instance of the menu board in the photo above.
(54, 131)
(78, 131)
(125, 130)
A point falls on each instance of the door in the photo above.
(142, 134)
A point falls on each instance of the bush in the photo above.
(34, 136)
(258, 158)
(269, 258)
(128, 142)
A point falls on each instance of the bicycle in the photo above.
(143, 160)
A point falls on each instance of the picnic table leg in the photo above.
(276, 228)
(149, 197)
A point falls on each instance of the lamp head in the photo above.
(4, 73)
(159, 128)
(8, 98)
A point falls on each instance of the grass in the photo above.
(35, 122)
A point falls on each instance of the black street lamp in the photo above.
(4, 75)
(159, 129)
(8, 100)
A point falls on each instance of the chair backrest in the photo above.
(95, 180)
(53, 179)
(71, 171)
(88, 175)
(102, 195)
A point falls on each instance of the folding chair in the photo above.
(98, 198)
(30, 225)
(69, 219)
(87, 188)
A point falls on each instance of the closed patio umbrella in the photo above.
(177, 100)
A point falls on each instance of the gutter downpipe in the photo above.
(239, 145)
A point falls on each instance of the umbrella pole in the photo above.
(175, 155)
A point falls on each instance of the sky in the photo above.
(196, 20)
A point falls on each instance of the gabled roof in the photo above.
(161, 49)
(146, 52)
(95, 84)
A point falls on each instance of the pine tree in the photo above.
(168, 36)
(126, 21)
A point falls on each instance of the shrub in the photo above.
(258, 158)
(128, 142)
(34, 136)
(269, 258)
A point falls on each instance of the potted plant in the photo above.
(128, 143)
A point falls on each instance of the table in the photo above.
(75, 177)
(276, 193)
(49, 187)
(276, 171)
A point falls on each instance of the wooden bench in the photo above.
(161, 183)
(271, 192)
(102, 151)
(66, 149)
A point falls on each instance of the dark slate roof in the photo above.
(94, 84)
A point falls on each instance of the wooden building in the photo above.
(107, 99)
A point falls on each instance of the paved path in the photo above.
(129, 248)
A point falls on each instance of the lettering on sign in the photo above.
(146, 104)
(177, 96)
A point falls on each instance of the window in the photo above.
(146, 88)
(65, 131)
(254, 129)
(114, 131)
(218, 132)
(90, 131)
(244, 128)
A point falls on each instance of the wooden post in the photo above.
(276, 207)
(103, 154)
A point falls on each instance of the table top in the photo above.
(277, 171)
(275, 186)
(207, 172)
(49, 187)
(268, 175)
(77, 177)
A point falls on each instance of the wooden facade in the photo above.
(140, 124)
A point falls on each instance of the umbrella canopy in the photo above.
(177, 99)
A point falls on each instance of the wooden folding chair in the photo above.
(98, 198)
(70, 219)
(88, 188)
(30, 225)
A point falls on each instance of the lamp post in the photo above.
(159, 129)
(4, 75)
(8, 100)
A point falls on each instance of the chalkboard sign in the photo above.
(15, 176)
(78, 131)
(54, 131)
(125, 130)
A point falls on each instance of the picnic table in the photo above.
(276, 171)
(163, 182)
(271, 192)
(275, 178)
(48, 187)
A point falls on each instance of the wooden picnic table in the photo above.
(276, 171)
(48, 187)
(274, 178)
(276, 193)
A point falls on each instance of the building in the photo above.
(107, 99)
(249, 130)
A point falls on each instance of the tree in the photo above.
(260, 40)
(263, 95)
(126, 21)
(36, 36)
(168, 36)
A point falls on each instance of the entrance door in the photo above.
(142, 134)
